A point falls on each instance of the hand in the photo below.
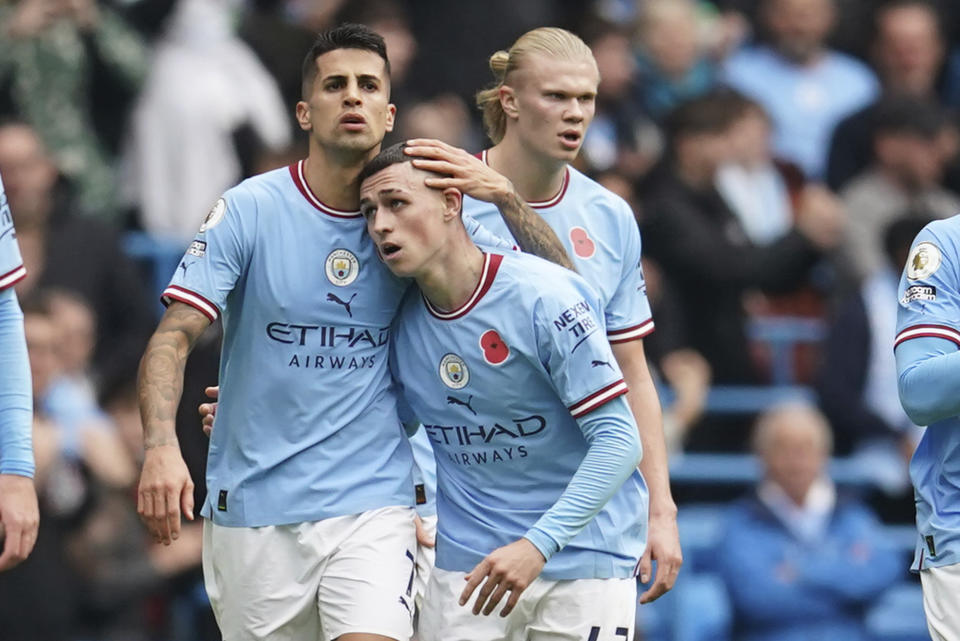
(663, 546)
(31, 17)
(208, 411)
(424, 538)
(165, 490)
(467, 173)
(512, 567)
(820, 217)
(19, 519)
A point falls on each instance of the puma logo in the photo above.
(333, 298)
(183, 265)
(453, 400)
(599, 363)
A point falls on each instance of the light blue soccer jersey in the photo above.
(16, 400)
(307, 426)
(600, 234)
(929, 306)
(498, 386)
(12, 270)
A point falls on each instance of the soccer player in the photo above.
(928, 368)
(309, 475)
(504, 360)
(537, 116)
(19, 515)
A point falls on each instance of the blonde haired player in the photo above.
(537, 114)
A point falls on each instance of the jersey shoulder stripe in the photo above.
(180, 294)
(935, 331)
(598, 398)
(13, 277)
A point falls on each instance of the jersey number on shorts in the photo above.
(595, 633)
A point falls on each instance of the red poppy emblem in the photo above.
(583, 246)
(495, 351)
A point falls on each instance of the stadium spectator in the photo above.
(912, 142)
(908, 52)
(800, 561)
(77, 254)
(58, 60)
(707, 258)
(759, 189)
(673, 67)
(44, 599)
(207, 110)
(805, 87)
(621, 137)
(856, 383)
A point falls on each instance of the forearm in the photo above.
(532, 232)
(645, 407)
(160, 380)
(16, 398)
(612, 456)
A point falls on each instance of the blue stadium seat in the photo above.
(898, 614)
(697, 609)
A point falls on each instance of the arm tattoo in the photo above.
(161, 372)
(532, 232)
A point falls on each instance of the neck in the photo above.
(332, 174)
(451, 277)
(534, 176)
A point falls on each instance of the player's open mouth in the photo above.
(353, 121)
(389, 249)
(571, 138)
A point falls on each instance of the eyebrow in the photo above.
(362, 76)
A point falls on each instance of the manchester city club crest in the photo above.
(453, 372)
(342, 267)
(215, 216)
(924, 259)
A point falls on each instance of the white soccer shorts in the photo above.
(576, 610)
(941, 601)
(425, 559)
(316, 580)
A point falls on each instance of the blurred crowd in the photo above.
(780, 156)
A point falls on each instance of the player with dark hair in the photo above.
(309, 474)
(19, 515)
(538, 494)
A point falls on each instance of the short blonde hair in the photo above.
(549, 41)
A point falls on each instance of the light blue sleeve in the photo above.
(928, 379)
(614, 450)
(218, 255)
(484, 238)
(628, 313)
(928, 325)
(575, 352)
(16, 397)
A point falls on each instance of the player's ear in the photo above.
(508, 101)
(391, 116)
(303, 116)
(452, 199)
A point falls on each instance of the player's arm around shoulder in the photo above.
(476, 179)
(165, 484)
